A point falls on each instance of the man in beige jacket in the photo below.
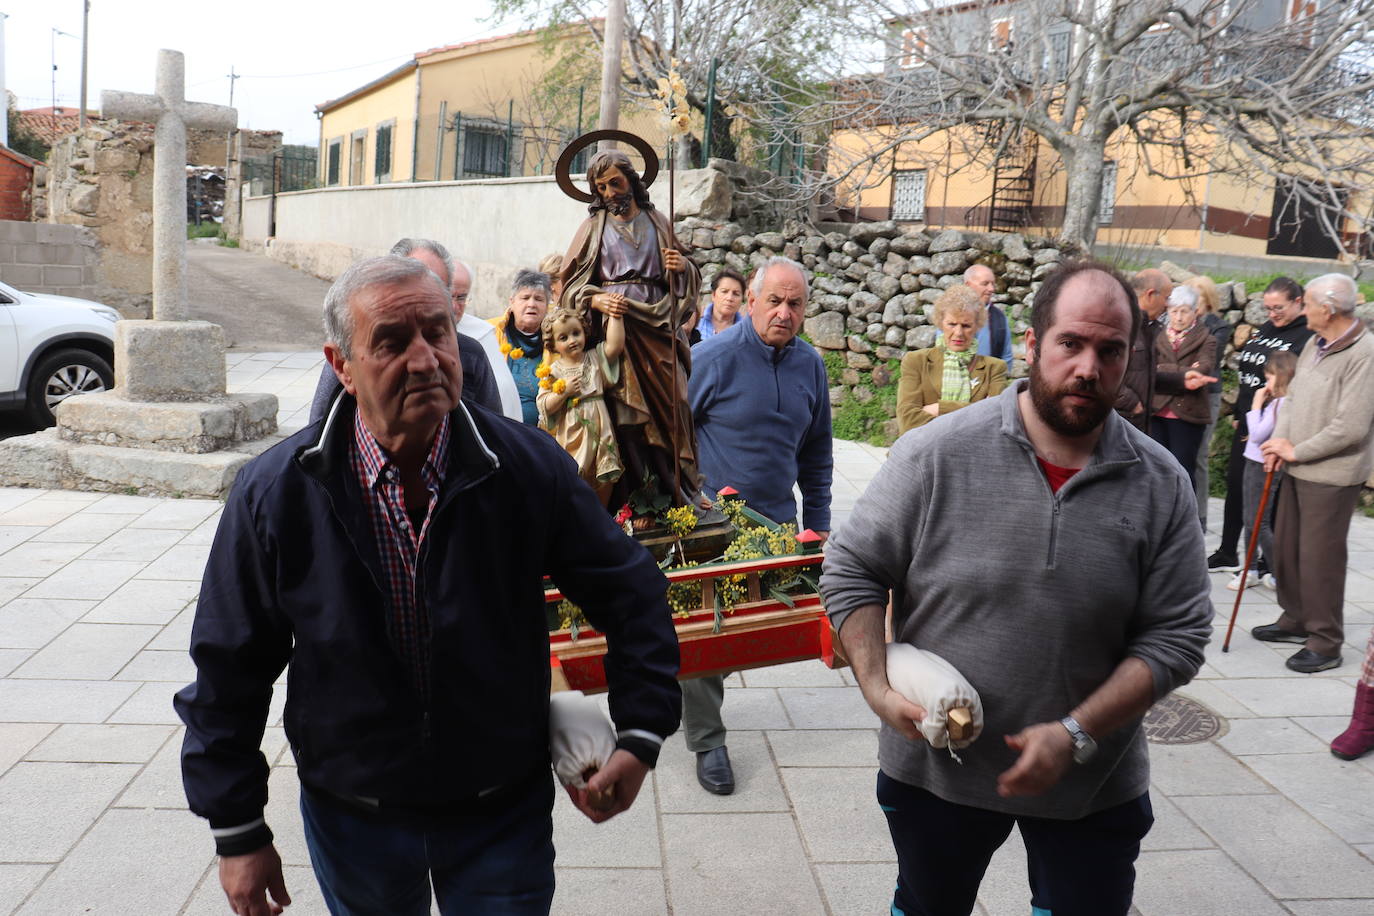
(1325, 437)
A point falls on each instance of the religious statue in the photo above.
(626, 262)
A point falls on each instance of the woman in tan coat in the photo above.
(950, 374)
(1180, 420)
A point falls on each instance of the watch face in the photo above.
(1084, 749)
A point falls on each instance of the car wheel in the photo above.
(60, 375)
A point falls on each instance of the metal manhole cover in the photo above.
(1179, 720)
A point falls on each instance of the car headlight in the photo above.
(104, 311)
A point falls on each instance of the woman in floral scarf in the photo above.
(951, 374)
(519, 337)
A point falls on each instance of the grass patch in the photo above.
(227, 242)
(206, 230)
(866, 422)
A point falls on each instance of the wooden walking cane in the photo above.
(1249, 556)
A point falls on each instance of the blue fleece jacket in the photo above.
(763, 423)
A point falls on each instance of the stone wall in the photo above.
(102, 178)
(42, 258)
(873, 286)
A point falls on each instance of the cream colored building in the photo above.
(1169, 201)
(492, 108)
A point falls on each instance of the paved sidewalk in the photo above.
(97, 594)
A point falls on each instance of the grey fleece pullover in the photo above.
(1035, 597)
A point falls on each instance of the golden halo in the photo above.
(577, 145)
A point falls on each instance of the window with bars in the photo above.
(1106, 204)
(381, 164)
(484, 152)
(909, 194)
(335, 158)
(1060, 49)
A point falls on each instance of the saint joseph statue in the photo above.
(626, 261)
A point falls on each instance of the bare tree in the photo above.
(1199, 86)
(828, 94)
(765, 51)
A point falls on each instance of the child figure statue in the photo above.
(572, 404)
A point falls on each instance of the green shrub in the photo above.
(834, 365)
(1218, 454)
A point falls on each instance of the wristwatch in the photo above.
(1084, 747)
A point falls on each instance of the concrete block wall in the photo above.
(49, 258)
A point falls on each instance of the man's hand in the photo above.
(673, 260)
(612, 304)
(247, 879)
(1277, 453)
(824, 535)
(932, 409)
(1046, 755)
(1193, 380)
(621, 778)
(899, 712)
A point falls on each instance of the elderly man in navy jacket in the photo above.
(393, 554)
(761, 408)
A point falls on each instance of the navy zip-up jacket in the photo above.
(294, 576)
(762, 417)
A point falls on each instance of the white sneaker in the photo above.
(1269, 582)
(1234, 584)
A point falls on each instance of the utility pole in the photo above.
(4, 122)
(613, 36)
(232, 77)
(85, 33)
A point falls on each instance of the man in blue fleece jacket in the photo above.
(761, 407)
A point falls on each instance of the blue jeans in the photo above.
(498, 861)
(1084, 867)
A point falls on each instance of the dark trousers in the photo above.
(498, 861)
(1181, 438)
(1233, 517)
(1309, 560)
(1084, 867)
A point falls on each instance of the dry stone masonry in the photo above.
(873, 285)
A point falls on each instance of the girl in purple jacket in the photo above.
(1260, 420)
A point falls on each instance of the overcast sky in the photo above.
(292, 54)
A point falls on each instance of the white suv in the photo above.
(52, 347)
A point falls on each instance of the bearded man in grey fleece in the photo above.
(1070, 627)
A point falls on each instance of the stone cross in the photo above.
(172, 114)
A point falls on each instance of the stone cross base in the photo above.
(194, 427)
(44, 460)
(168, 428)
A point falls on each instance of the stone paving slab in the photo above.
(715, 862)
(97, 598)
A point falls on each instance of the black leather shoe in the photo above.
(714, 772)
(1308, 662)
(1272, 632)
